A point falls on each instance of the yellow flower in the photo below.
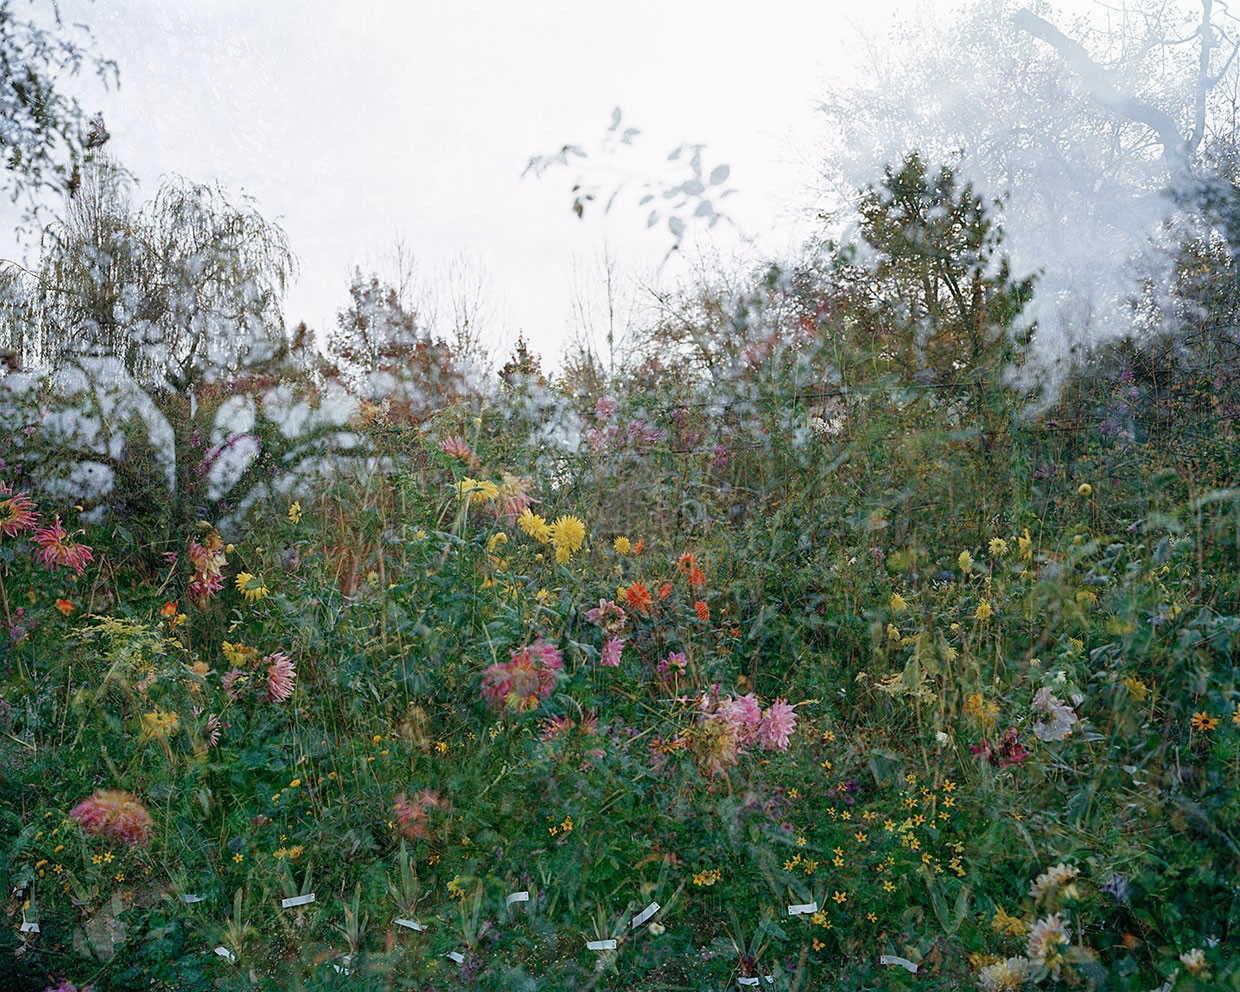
(898, 604)
(1025, 545)
(1013, 926)
(840, 897)
(1136, 688)
(496, 541)
(983, 611)
(243, 579)
(1204, 722)
(568, 532)
(476, 491)
(563, 556)
(159, 725)
(998, 547)
(253, 593)
(1235, 717)
(622, 545)
(965, 561)
(534, 526)
(1084, 489)
(294, 512)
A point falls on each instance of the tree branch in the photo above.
(1100, 85)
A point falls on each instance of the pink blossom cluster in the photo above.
(412, 814)
(116, 815)
(1006, 751)
(613, 647)
(770, 728)
(527, 678)
(637, 436)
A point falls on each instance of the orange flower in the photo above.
(702, 610)
(686, 564)
(169, 609)
(665, 590)
(65, 606)
(639, 547)
(639, 598)
(696, 578)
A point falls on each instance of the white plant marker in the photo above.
(803, 909)
(224, 952)
(644, 915)
(30, 926)
(457, 956)
(410, 924)
(517, 897)
(292, 901)
(600, 945)
(905, 963)
(189, 898)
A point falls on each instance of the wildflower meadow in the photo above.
(819, 636)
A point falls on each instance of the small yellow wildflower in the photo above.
(1085, 489)
(998, 547)
(1025, 545)
(898, 604)
(294, 512)
(622, 545)
(159, 725)
(983, 611)
(496, 541)
(965, 561)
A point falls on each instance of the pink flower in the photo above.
(520, 683)
(513, 498)
(675, 659)
(281, 674)
(57, 547)
(611, 652)
(208, 561)
(116, 815)
(411, 814)
(778, 723)
(608, 616)
(17, 513)
(457, 447)
(235, 684)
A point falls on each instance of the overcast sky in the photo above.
(355, 124)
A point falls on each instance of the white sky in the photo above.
(357, 122)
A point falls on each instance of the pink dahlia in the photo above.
(115, 815)
(17, 513)
(235, 684)
(612, 650)
(208, 561)
(57, 547)
(778, 723)
(281, 673)
(523, 681)
(457, 447)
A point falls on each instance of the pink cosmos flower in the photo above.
(17, 513)
(116, 815)
(778, 723)
(57, 547)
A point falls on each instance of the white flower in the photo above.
(1194, 960)
(1046, 938)
(1054, 879)
(1004, 976)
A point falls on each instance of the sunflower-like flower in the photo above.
(534, 526)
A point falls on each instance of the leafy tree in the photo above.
(44, 133)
